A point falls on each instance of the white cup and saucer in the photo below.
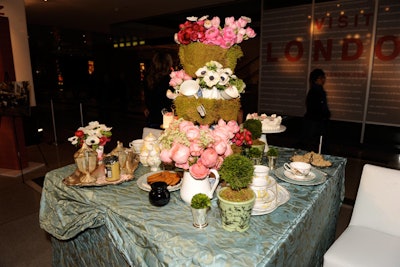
(136, 145)
(297, 170)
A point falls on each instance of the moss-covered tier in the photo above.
(195, 55)
(186, 108)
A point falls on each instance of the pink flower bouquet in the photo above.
(210, 31)
(197, 148)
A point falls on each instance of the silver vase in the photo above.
(199, 217)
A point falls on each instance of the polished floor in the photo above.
(23, 243)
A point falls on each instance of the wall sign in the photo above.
(361, 59)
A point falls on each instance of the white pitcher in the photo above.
(191, 186)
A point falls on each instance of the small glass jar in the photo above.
(112, 170)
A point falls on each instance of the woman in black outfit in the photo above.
(156, 86)
(317, 114)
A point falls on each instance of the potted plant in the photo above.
(272, 155)
(255, 154)
(254, 126)
(200, 204)
(236, 200)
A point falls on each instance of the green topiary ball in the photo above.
(254, 126)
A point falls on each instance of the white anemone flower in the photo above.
(223, 78)
(201, 72)
(73, 140)
(211, 78)
(227, 71)
(92, 125)
(92, 140)
(214, 65)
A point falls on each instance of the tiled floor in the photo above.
(23, 243)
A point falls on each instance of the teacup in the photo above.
(136, 145)
(260, 171)
(298, 169)
(189, 88)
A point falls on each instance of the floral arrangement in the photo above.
(213, 81)
(210, 31)
(93, 135)
(197, 148)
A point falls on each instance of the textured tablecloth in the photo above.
(115, 225)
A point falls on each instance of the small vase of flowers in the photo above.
(94, 135)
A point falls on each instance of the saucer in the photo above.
(307, 177)
(142, 183)
(318, 179)
(282, 197)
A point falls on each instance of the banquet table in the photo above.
(115, 225)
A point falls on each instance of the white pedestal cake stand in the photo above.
(263, 137)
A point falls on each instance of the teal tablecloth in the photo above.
(116, 226)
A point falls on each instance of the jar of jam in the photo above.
(112, 170)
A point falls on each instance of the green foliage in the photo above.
(254, 126)
(272, 152)
(237, 170)
(252, 152)
(200, 201)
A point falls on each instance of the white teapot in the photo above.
(150, 153)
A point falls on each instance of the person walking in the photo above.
(317, 115)
(156, 86)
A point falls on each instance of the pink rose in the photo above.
(216, 22)
(229, 21)
(209, 157)
(250, 32)
(212, 33)
(199, 171)
(242, 21)
(179, 153)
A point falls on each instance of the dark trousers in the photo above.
(311, 133)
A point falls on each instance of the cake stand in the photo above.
(263, 137)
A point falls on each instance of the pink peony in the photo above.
(192, 132)
(228, 151)
(199, 171)
(219, 162)
(234, 127)
(196, 149)
(220, 147)
(184, 166)
(165, 156)
(179, 153)
(209, 157)
(184, 125)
